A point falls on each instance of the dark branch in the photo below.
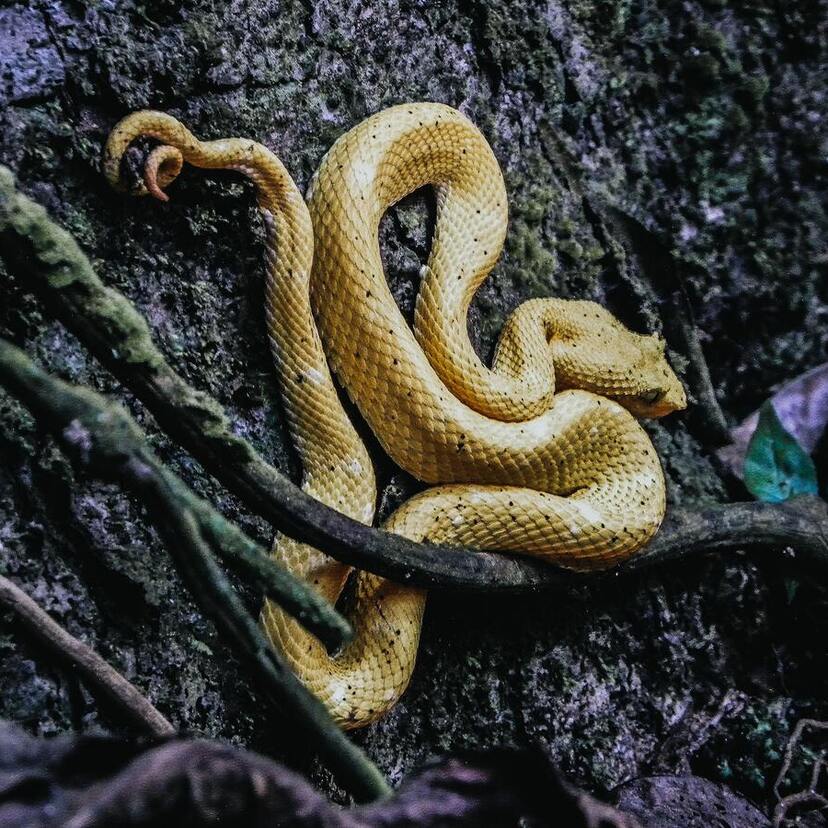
(52, 264)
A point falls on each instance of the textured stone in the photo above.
(30, 65)
(705, 120)
(687, 802)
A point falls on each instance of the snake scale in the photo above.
(540, 454)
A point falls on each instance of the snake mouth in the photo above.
(656, 407)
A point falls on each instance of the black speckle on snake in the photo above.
(539, 454)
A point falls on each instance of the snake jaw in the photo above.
(666, 396)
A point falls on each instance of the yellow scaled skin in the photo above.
(538, 454)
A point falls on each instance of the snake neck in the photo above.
(574, 344)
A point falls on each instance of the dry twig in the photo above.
(97, 673)
(810, 796)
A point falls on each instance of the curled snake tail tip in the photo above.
(157, 192)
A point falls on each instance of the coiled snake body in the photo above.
(538, 454)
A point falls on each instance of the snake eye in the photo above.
(651, 396)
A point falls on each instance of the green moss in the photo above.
(571, 248)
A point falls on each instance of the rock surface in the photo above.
(687, 802)
(100, 782)
(704, 120)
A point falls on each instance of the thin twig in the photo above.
(101, 439)
(96, 672)
(49, 261)
(810, 796)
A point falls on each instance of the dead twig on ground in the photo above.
(94, 670)
(810, 797)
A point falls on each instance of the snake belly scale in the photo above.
(539, 454)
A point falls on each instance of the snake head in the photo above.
(595, 351)
(658, 391)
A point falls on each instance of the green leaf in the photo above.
(776, 466)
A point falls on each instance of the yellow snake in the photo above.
(539, 454)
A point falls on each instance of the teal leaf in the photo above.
(776, 466)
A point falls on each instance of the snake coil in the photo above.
(539, 454)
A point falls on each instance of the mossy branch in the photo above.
(103, 319)
(86, 414)
(102, 439)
